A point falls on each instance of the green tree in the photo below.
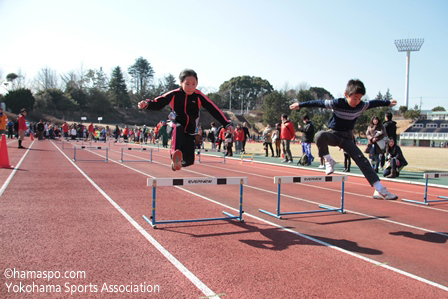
(54, 99)
(245, 91)
(97, 79)
(18, 99)
(403, 109)
(142, 74)
(438, 108)
(274, 105)
(320, 93)
(98, 102)
(169, 83)
(118, 92)
(219, 100)
(412, 114)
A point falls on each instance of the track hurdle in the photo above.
(202, 181)
(247, 158)
(211, 151)
(428, 176)
(307, 179)
(139, 149)
(90, 148)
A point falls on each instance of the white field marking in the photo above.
(8, 180)
(187, 273)
(337, 190)
(310, 201)
(376, 263)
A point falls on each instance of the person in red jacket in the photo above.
(185, 103)
(91, 130)
(21, 126)
(286, 135)
(65, 130)
(238, 137)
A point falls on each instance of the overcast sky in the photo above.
(322, 43)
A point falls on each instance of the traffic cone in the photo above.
(31, 135)
(4, 159)
(283, 155)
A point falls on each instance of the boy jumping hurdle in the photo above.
(341, 124)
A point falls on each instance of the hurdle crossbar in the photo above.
(201, 181)
(427, 176)
(211, 151)
(138, 149)
(307, 179)
(82, 147)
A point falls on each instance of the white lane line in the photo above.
(187, 273)
(376, 263)
(8, 180)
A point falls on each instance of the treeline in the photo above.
(93, 93)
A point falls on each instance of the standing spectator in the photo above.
(228, 141)
(21, 126)
(375, 132)
(267, 137)
(3, 122)
(117, 133)
(10, 129)
(395, 158)
(390, 127)
(73, 132)
(221, 137)
(246, 136)
(91, 131)
(287, 134)
(213, 134)
(40, 128)
(163, 132)
(125, 134)
(276, 139)
(238, 138)
(65, 130)
(307, 137)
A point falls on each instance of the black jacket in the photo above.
(391, 129)
(395, 152)
(187, 108)
(308, 132)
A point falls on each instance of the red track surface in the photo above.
(54, 218)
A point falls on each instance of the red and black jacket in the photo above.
(187, 108)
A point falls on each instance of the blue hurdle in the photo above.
(198, 153)
(138, 149)
(203, 181)
(90, 148)
(307, 179)
(427, 176)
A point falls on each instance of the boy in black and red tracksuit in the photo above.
(185, 102)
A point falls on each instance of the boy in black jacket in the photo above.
(307, 138)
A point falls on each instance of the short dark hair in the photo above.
(284, 115)
(355, 86)
(22, 110)
(389, 115)
(187, 73)
(305, 117)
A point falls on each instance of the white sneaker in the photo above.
(290, 162)
(384, 194)
(329, 166)
(321, 166)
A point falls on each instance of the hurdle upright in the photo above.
(198, 153)
(91, 148)
(139, 149)
(307, 179)
(427, 176)
(202, 181)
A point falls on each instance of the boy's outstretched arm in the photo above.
(294, 106)
(393, 103)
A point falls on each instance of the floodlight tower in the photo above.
(408, 45)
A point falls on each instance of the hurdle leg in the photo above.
(341, 208)
(74, 153)
(107, 155)
(278, 215)
(152, 222)
(425, 197)
(240, 215)
(121, 155)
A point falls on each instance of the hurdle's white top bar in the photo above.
(309, 179)
(89, 147)
(196, 181)
(435, 175)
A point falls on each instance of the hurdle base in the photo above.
(324, 209)
(426, 202)
(229, 217)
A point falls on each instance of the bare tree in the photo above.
(46, 79)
